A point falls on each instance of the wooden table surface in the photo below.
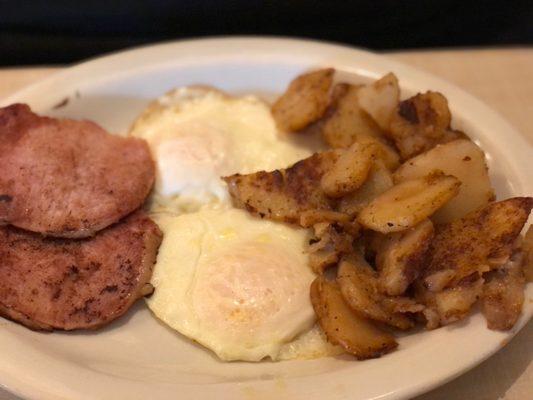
(504, 80)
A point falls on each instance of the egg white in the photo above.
(199, 134)
(310, 344)
(236, 284)
(233, 283)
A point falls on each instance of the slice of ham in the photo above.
(67, 178)
(49, 283)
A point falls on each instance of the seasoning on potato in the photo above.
(404, 227)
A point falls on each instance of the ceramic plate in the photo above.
(137, 357)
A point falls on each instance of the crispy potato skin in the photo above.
(305, 100)
(342, 326)
(283, 195)
(420, 123)
(466, 246)
(310, 189)
(459, 258)
(406, 204)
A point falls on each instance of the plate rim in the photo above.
(518, 144)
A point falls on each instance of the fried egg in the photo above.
(198, 134)
(310, 344)
(236, 284)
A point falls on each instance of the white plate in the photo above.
(137, 357)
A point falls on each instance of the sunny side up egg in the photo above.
(199, 134)
(234, 283)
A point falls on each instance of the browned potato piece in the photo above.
(467, 245)
(527, 248)
(421, 122)
(454, 304)
(437, 281)
(305, 100)
(379, 180)
(380, 99)
(451, 304)
(462, 159)
(401, 258)
(349, 171)
(283, 195)
(330, 242)
(303, 193)
(384, 151)
(322, 259)
(345, 121)
(342, 326)
(312, 217)
(408, 203)
(503, 296)
(359, 287)
(346, 226)
(461, 252)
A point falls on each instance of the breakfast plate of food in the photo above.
(256, 218)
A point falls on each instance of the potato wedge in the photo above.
(503, 296)
(378, 181)
(345, 121)
(467, 245)
(349, 171)
(303, 192)
(305, 100)
(385, 152)
(421, 122)
(283, 195)
(359, 286)
(405, 205)
(527, 259)
(462, 159)
(380, 99)
(401, 258)
(342, 326)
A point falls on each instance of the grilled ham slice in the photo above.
(50, 283)
(67, 178)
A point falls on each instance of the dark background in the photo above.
(49, 32)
